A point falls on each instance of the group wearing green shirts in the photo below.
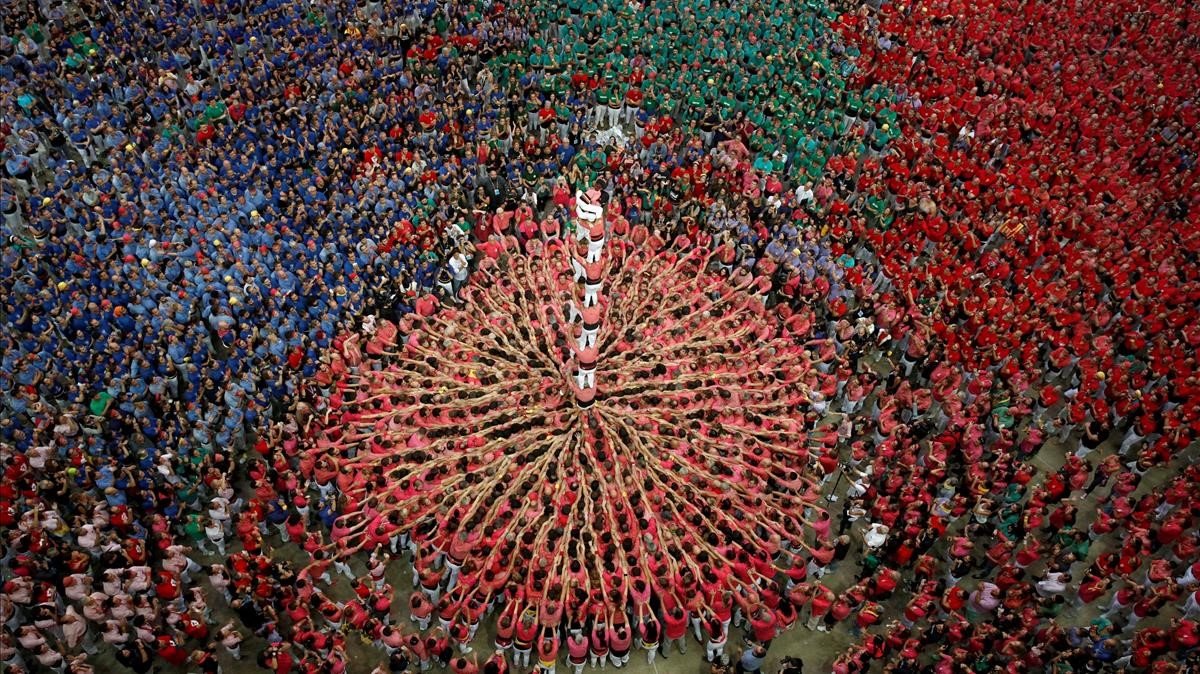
(771, 60)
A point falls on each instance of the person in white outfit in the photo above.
(215, 534)
(591, 293)
(585, 207)
(586, 378)
(587, 336)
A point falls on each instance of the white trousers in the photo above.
(591, 294)
(713, 650)
(585, 378)
(614, 116)
(595, 250)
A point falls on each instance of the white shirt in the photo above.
(875, 536)
(458, 266)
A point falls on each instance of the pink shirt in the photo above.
(577, 648)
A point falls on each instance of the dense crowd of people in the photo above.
(982, 217)
(638, 499)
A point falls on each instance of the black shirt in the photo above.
(497, 192)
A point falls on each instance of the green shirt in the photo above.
(35, 33)
(100, 403)
(215, 110)
(193, 528)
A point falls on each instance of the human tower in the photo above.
(601, 428)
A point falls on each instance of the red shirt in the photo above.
(169, 651)
(283, 662)
(674, 627)
(954, 598)
(840, 609)
(1185, 636)
(821, 602)
(764, 629)
(168, 587)
(195, 629)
